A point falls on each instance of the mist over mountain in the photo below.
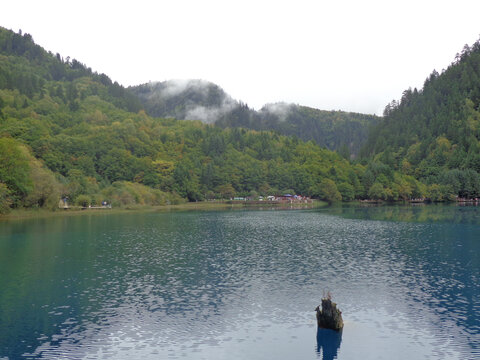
(185, 99)
(205, 101)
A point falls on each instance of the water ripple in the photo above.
(244, 284)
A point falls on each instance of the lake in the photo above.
(242, 284)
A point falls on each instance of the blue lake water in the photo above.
(242, 284)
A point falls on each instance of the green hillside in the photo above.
(340, 131)
(66, 131)
(433, 133)
(200, 100)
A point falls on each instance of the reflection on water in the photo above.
(433, 213)
(328, 343)
(241, 285)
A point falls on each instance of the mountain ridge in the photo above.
(193, 99)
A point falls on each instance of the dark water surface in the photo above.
(242, 284)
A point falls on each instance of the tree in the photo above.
(83, 200)
(344, 151)
(347, 191)
(46, 189)
(439, 193)
(329, 191)
(14, 168)
(5, 200)
(402, 189)
(186, 181)
(377, 192)
(226, 191)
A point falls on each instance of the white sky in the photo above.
(333, 55)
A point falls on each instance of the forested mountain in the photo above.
(344, 132)
(200, 100)
(27, 67)
(66, 131)
(434, 133)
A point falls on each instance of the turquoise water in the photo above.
(242, 284)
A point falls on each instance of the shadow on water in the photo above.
(328, 343)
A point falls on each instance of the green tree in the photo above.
(46, 189)
(347, 191)
(329, 191)
(344, 151)
(15, 169)
(439, 193)
(226, 191)
(377, 192)
(83, 200)
(5, 200)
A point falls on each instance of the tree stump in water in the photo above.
(329, 317)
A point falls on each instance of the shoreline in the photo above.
(20, 214)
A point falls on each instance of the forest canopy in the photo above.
(433, 134)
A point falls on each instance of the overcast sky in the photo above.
(333, 55)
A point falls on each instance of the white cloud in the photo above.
(280, 109)
(174, 87)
